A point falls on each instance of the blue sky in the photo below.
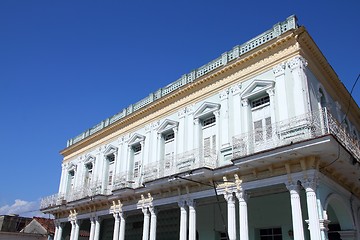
(67, 65)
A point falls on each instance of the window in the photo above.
(260, 101)
(111, 167)
(270, 234)
(208, 121)
(137, 159)
(88, 173)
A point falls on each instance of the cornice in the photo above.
(260, 59)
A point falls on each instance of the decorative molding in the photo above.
(297, 62)
(279, 69)
(206, 108)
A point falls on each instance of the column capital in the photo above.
(182, 203)
(297, 62)
(271, 92)
(236, 89)
(242, 195)
(279, 69)
(224, 94)
(191, 202)
(310, 184)
(153, 210)
(293, 186)
(229, 197)
(245, 102)
(181, 113)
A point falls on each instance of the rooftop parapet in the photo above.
(236, 52)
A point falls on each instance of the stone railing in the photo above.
(236, 52)
(297, 129)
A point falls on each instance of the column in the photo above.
(56, 229)
(314, 224)
(217, 119)
(246, 116)
(271, 93)
(145, 235)
(183, 220)
(243, 215)
(282, 107)
(190, 129)
(224, 113)
(297, 219)
(153, 222)
(92, 228)
(230, 199)
(77, 229)
(196, 137)
(59, 232)
(192, 220)
(122, 226)
(181, 135)
(236, 109)
(297, 66)
(97, 228)
(72, 233)
(116, 226)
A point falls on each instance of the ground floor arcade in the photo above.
(301, 206)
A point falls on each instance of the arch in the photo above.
(341, 210)
(322, 97)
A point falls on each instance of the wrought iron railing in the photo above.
(311, 125)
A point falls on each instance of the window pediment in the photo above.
(89, 159)
(110, 149)
(167, 125)
(256, 88)
(136, 138)
(205, 109)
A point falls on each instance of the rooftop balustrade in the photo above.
(235, 53)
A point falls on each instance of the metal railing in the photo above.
(311, 125)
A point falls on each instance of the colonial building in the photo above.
(260, 143)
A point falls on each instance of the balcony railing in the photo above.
(297, 129)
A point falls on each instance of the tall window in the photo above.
(71, 181)
(208, 134)
(136, 150)
(88, 174)
(110, 168)
(261, 117)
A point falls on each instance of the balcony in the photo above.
(308, 126)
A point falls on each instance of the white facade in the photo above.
(255, 145)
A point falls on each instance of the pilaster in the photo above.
(297, 219)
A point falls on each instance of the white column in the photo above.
(92, 228)
(224, 116)
(122, 226)
(217, 119)
(297, 219)
(190, 129)
(196, 138)
(243, 215)
(77, 229)
(59, 232)
(145, 235)
(271, 93)
(116, 226)
(236, 109)
(62, 187)
(56, 229)
(97, 228)
(297, 66)
(230, 199)
(153, 222)
(192, 220)
(181, 135)
(72, 233)
(183, 220)
(280, 86)
(314, 223)
(246, 115)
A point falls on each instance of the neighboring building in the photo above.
(13, 223)
(24, 228)
(260, 143)
(41, 226)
